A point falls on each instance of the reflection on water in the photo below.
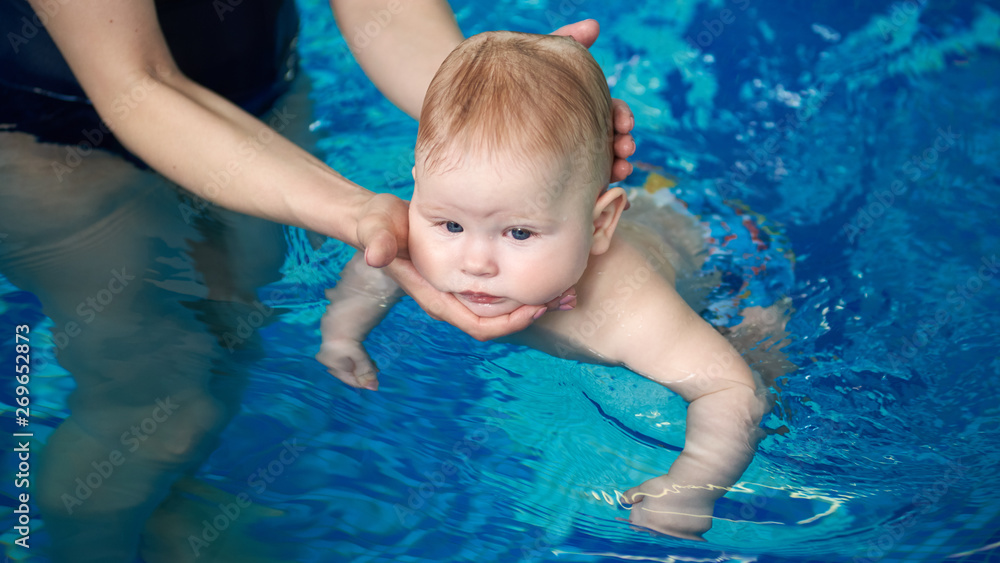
(155, 313)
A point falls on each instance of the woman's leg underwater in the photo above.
(141, 297)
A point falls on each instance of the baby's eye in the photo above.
(454, 227)
(520, 234)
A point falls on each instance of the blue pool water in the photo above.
(866, 134)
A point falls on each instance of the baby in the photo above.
(512, 206)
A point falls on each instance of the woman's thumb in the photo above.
(380, 248)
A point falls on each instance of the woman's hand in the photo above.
(585, 32)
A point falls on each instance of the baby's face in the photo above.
(498, 237)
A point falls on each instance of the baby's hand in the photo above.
(656, 505)
(347, 360)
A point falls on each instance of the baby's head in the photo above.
(513, 159)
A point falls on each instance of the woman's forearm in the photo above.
(231, 158)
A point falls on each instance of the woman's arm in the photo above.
(399, 43)
(191, 135)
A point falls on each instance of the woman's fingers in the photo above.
(622, 117)
(584, 32)
(624, 144)
(620, 170)
(564, 302)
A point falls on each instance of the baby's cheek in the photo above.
(543, 286)
(425, 262)
(436, 275)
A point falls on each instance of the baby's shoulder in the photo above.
(624, 296)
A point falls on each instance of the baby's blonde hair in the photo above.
(520, 95)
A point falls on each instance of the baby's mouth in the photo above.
(481, 298)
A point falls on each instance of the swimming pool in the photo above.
(868, 139)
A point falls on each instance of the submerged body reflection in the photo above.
(142, 293)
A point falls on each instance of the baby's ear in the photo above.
(607, 212)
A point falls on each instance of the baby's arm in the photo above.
(726, 405)
(651, 330)
(359, 302)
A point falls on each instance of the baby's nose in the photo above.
(478, 260)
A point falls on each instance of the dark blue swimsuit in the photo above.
(244, 52)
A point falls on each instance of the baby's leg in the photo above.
(108, 252)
